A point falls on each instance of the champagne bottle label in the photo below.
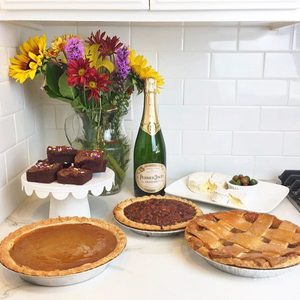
(151, 178)
(151, 128)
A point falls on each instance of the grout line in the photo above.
(238, 37)
(292, 38)
(263, 65)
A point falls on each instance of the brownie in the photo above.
(74, 176)
(43, 172)
(91, 160)
(61, 154)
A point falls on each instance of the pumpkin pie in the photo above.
(156, 213)
(61, 246)
(245, 239)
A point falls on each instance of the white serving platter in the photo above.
(266, 197)
(154, 233)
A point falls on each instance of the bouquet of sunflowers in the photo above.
(97, 77)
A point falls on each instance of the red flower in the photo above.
(78, 71)
(97, 83)
(107, 46)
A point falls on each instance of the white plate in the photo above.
(246, 272)
(266, 198)
(62, 280)
(152, 232)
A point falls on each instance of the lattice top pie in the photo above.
(245, 239)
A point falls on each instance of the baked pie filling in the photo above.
(245, 239)
(161, 213)
(62, 246)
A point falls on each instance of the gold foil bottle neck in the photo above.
(150, 85)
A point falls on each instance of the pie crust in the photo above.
(122, 218)
(6, 246)
(245, 239)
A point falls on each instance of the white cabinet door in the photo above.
(75, 4)
(223, 4)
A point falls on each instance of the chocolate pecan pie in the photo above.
(61, 246)
(245, 239)
(156, 213)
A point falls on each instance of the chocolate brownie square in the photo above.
(74, 176)
(91, 160)
(61, 154)
(43, 172)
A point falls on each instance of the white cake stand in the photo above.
(70, 199)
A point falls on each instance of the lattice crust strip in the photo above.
(245, 239)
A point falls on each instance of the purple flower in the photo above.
(74, 49)
(122, 62)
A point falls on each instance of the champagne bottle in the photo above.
(149, 148)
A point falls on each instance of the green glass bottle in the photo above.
(149, 148)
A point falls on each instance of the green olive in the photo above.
(253, 182)
(238, 182)
(235, 177)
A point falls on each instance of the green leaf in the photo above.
(66, 90)
(52, 94)
(53, 73)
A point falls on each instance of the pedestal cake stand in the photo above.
(70, 199)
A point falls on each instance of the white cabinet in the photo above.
(224, 4)
(75, 5)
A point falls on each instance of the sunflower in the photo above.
(138, 64)
(26, 64)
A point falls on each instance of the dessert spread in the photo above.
(61, 246)
(91, 160)
(156, 212)
(74, 175)
(43, 172)
(245, 239)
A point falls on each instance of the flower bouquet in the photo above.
(97, 77)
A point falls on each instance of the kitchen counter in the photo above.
(149, 268)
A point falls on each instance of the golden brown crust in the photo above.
(121, 217)
(245, 239)
(9, 241)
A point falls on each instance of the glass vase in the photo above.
(101, 129)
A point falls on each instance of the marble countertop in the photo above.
(149, 268)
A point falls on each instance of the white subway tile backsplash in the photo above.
(234, 118)
(237, 65)
(9, 35)
(280, 118)
(282, 65)
(270, 167)
(183, 64)
(2, 171)
(49, 118)
(153, 38)
(62, 112)
(12, 97)
(173, 141)
(16, 160)
(209, 92)
(230, 164)
(291, 143)
(172, 92)
(264, 38)
(7, 133)
(182, 165)
(25, 124)
(296, 42)
(55, 137)
(206, 142)
(294, 98)
(183, 117)
(257, 143)
(262, 92)
(198, 38)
